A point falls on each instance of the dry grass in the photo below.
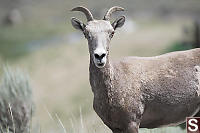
(15, 102)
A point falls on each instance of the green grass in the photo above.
(178, 46)
(14, 39)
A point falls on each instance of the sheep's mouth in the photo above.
(100, 65)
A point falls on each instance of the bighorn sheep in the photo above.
(133, 92)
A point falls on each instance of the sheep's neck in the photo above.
(101, 77)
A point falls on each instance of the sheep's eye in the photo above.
(89, 36)
(111, 34)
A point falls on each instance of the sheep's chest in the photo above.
(108, 110)
(115, 108)
(115, 100)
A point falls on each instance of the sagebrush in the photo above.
(16, 103)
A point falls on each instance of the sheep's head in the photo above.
(98, 33)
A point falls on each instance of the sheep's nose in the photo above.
(99, 56)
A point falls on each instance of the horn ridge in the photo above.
(111, 10)
(86, 11)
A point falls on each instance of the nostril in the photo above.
(96, 56)
(99, 57)
(103, 55)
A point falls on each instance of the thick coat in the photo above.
(138, 92)
(150, 91)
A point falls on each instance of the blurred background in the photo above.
(37, 37)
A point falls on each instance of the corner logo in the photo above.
(193, 124)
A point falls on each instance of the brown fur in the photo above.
(148, 92)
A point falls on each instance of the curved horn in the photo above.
(87, 13)
(111, 10)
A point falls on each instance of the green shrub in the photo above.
(15, 102)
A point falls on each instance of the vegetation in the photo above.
(61, 76)
(15, 41)
(15, 102)
(178, 46)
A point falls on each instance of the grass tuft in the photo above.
(15, 102)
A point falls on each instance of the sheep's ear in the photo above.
(77, 24)
(119, 22)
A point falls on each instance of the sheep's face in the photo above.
(98, 33)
